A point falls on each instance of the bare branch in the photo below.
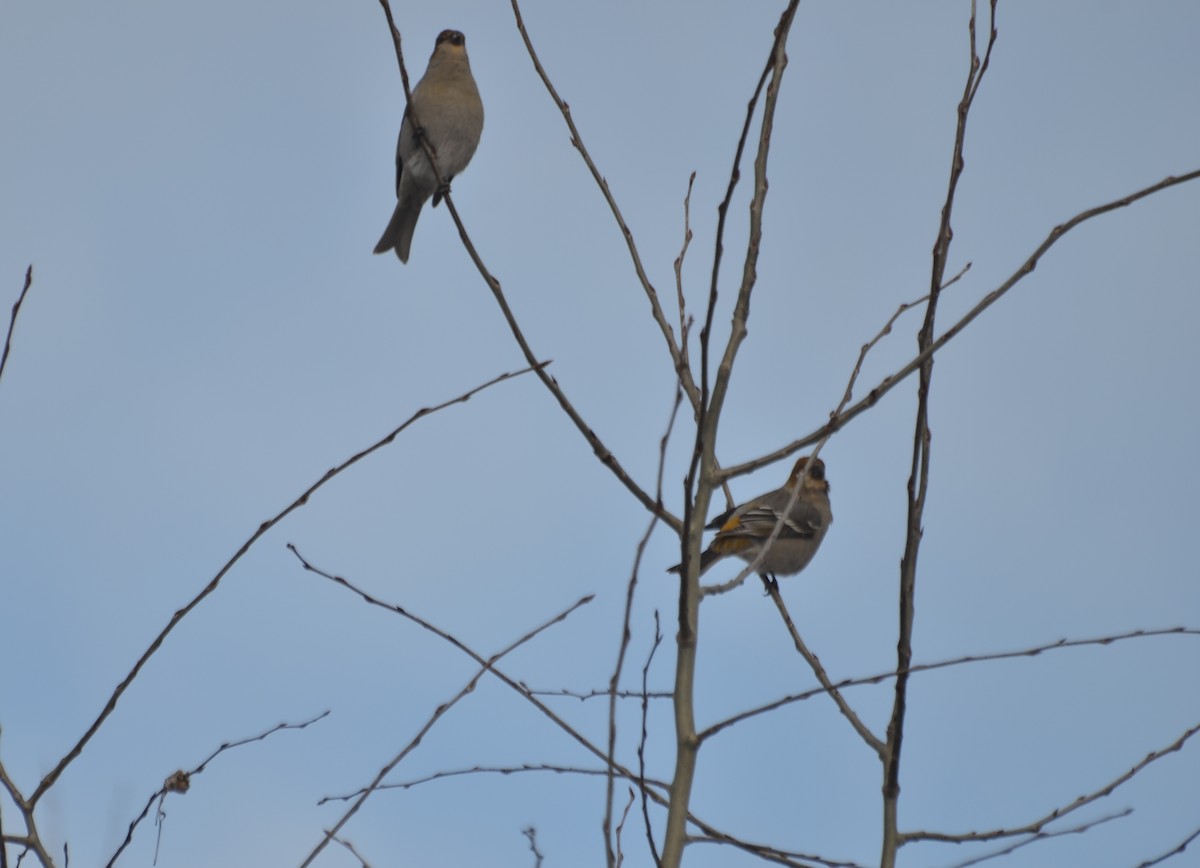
(943, 664)
(16, 309)
(892, 380)
(11, 788)
(711, 409)
(409, 109)
(433, 719)
(611, 854)
(31, 841)
(740, 578)
(872, 741)
(511, 682)
(493, 770)
(683, 372)
(768, 853)
(181, 781)
(602, 452)
(1042, 836)
(345, 843)
(53, 775)
(702, 470)
(684, 320)
(658, 637)
(884, 332)
(3, 839)
(621, 828)
(918, 480)
(395, 32)
(1175, 851)
(575, 735)
(531, 834)
(1037, 825)
(735, 175)
(598, 692)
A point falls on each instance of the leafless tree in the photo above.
(703, 368)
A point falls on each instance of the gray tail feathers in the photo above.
(399, 232)
(707, 558)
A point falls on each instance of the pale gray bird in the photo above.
(745, 529)
(447, 105)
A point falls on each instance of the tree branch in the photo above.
(943, 664)
(702, 471)
(180, 781)
(918, 480)
(602, 452)
(110, 706)
(678, 356)
(891, 381)
(1037, 825)
(12, 323)
(433, 719)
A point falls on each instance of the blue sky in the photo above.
(199, 188)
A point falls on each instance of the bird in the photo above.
(447, 106)
(745, 529)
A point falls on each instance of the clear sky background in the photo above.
(199, 187)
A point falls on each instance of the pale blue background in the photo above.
(199, 187)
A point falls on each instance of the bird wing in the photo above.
(404, 144)
(720, 520)
(757, 519)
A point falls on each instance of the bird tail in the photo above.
(707, 558)
(400, 228)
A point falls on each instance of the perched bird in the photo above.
(447, 107)
(745, 529)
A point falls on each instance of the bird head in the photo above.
(814, 479)
(450, 43)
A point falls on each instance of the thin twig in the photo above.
(437, 715)
(1042, 836)
(345, 843)
(684, 320)
(943, 664)
(735, 175)
(599, 692)
(1057, 813)
(602, 452)
(611, 853)
(53, 774)
(918, 480)
(697, 488)
(621, 828)
(410, 111)
(767, 853)
(3, 839)
(572, 732)
(491, 770)
(181, 781)
(1175, 851)
(531, 834)
(882, 333)
(702, 470)
(658, 637)
(12, 323)
(780, 523)
(892, 380)
(683, 372)
(31, 840)
(864, 732)
(752, 567)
